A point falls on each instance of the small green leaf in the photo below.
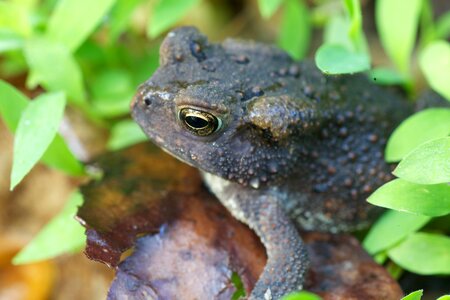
(385, 76)
(36, 130)
(12, 104)
(240, 290)
(124, 134)
(63, 234)
(429, 200)
(268, 7)
(445, 297)
(435, 64)
(335, 59)
(58, 155)
(303, 295)
(73, 21)
(166, 13)
(390, 228)
(417, 295)
(427, 164)
(423, 253)
(397, 23)
(419, 128)
(295, 32)
(54, 67)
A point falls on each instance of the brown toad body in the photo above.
(281, 145)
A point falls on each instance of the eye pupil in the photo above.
(196, 122)
(199, 122)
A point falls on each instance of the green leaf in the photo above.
(335, 59)
(423, 253)
(417, 295)
(397, 23)
(445, 297)
(268, 7)
(59, 156)
(166, 13)
(385, 76)
(9, 41)
(63, 234)
(303, 295)
(124, 134)
(54, 67)
(120, 15)
(335, 32)
(15, 18)
(435, 64)
(295, 32)
(354, 10)
(240, 290)
(36, 130)
(12, 103)
(390, 228)
(443, 26)
(419, 128)
(429, 200)
(427, 164)
(74, 20)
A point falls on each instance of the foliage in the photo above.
(94, 67)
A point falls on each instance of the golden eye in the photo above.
(199, 122)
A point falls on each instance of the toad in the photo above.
(280, 144)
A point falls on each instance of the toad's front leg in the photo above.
(287, 258)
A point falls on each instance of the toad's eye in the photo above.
(199, 122)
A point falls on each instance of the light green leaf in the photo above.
(295, 32)
(63, 234)
(417, 295)
(58, 155)
(36, 130)
(112, 91)
(268, 7)
(166, 13)
(427, 164)
(15, 17)
(445, 297)
(419, 128)
(435, 64)
(385, 76)
(429, 200)
(9, 41)
(397, 23)
(423, 253)
(335, 59)
(54, 67)
(124, 134)
(12, 104)
(303, 295)
(74, 20)
(390, 228)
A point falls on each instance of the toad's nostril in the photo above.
(147, 100)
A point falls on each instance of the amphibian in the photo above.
(281, 145)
